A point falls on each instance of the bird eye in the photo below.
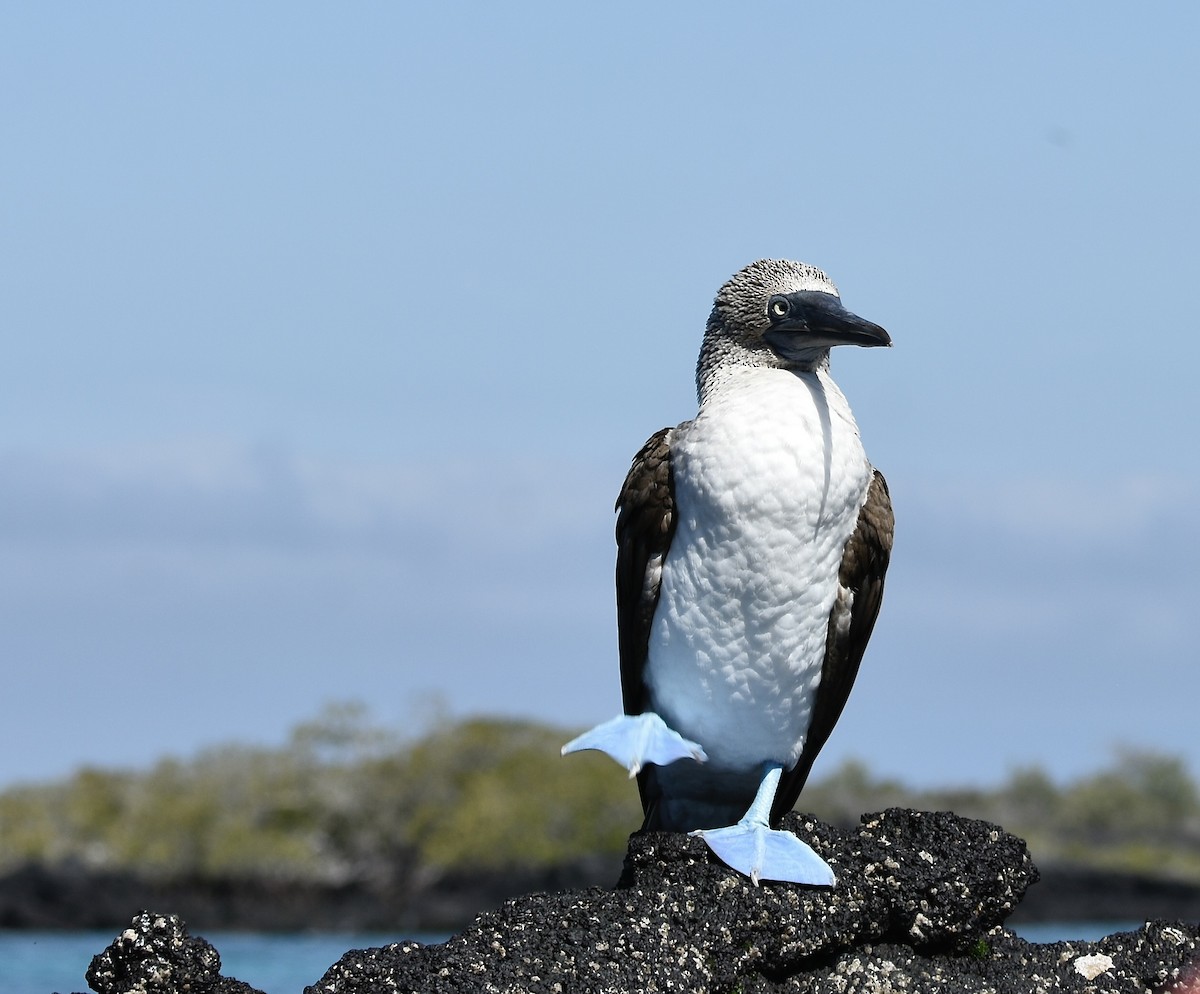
(778, 307)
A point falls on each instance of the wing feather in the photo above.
(645, 526)
(860, 579)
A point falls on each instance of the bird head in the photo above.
(782, 314)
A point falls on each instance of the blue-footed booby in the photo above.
(752, 546)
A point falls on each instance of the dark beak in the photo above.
(812, 319)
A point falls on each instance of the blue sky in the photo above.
(328, 334)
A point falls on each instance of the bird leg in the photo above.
(753, 848)
(634, 740)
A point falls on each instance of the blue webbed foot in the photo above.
(634, 740)
(753, 848)
(763, 853)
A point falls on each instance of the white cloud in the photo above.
(285, 580)
(199, 588)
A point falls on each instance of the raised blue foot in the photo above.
(634, 740)
(753, 848)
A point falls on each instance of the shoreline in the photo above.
(38, 897)
(920, 904)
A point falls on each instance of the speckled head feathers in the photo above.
(741, 304)
(777, 314)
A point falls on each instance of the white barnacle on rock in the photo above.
(919, 925)
(727, 884)
(1090, 967)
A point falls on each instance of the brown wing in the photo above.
(645, 526)
(864, 563)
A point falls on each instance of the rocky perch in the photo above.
(919, 906)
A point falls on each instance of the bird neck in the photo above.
(723, 358)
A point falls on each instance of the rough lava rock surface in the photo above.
(918, 906)
(156, 954)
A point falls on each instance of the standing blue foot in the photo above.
(634, 740)
(753, 848)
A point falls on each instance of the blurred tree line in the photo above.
(343, 801)
(1141, 814)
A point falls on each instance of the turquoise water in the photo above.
(44, 962)
(1061, 931)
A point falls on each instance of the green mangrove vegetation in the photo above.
(343, 800)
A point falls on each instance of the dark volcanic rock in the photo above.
(918, 906)
(156, 954)
(681, 920)
(907, 876)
